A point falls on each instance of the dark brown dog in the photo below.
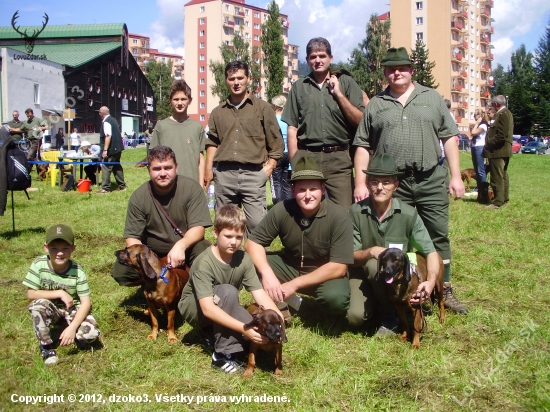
(271, 325)
(158, 293)
(142, 163)
(401, 285)
(467, 175)
(42, 170)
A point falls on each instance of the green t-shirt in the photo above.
(186, 139)
(41, 276)
(30, 125)
(208, 271)
(186, 205)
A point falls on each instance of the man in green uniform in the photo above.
(15, 123)
(318, 243)
(322, 113)
(34, 126)
(381, 222)
(407, 120)
(184, 201)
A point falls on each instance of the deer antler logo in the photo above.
(29, 39)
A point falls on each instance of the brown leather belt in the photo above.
(325, 149)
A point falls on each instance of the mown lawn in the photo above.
(494, 359)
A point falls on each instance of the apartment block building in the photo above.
(457, 34)
(209, 23)
(139, 46)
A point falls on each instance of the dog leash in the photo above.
(423, 321)
(163, 271)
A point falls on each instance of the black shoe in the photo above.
(227, 363)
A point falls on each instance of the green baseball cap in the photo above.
(59, 231)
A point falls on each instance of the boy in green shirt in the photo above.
(59, 291)
(211, 297)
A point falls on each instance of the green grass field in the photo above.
(497, 358)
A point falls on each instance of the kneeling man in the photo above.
(318, 243)
(380, 222)
(183, 200)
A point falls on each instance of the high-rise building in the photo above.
(139, 46)
(208, 24)
(457, 34)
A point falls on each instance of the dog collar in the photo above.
(163, 271)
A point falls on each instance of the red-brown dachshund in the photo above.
(401, 285)
(163, 285)
(271, 325)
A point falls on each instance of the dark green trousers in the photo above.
(499, 179)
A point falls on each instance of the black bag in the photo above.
(17, 169)
(68, 183)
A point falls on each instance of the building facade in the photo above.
(457, 34)
(208, 24)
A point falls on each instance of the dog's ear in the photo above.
(381, 257)
(144, 263)
(407, 267)
(283, 333)
(252, 324)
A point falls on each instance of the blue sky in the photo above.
(341, 21)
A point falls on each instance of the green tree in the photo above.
(238, 50)
(522, 99)
(365, 60)
(273, 51)
(422, 66)
(542, 64)
(160, 78)
(542, 118)
(303, 69)
(502, 81)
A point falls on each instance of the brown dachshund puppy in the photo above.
(161, 292)
(467, 175)
(401, 285)
(271, 325)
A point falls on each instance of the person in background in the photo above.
(89, 149)
(479, 131)
(74, 139)
(280, 188)
(111, 142)
(34, 126)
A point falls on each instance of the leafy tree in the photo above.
(273, 50)
(160, 78)
(238, 50)
(422, 66)
(522, 99)
(303, 69)
(502, 81)
(365, 60)
(542, 118)
(542, 64)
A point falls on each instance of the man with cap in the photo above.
(379, 222)
(89, 149)
(317, 237)
(407, 121)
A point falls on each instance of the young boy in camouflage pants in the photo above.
(59, 291)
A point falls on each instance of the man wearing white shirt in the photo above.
(110, 140)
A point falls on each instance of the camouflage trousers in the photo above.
(44, 313)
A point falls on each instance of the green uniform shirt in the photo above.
(186, 139)
(41, 276)
(249, 134)
(30, 125)
(411, 133)
(207, 271)
(327, 237)
(186, 205)
(498, 142)
(16, 125)
(316, 114)
(401, 228)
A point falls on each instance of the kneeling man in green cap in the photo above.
(317, 236)
(380, 222)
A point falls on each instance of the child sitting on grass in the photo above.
(59, 291)
(211, 297)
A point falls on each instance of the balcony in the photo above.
(458, 118)
(239, 13)
(460, 45)
(456, 25)
(464, 104)
(286, 89)
(456, 87)
(489, 3)
(229, 23)
(485, 67)
(464, 74)
(489, 29)
(490, 56)
(286, 46)
(484, 38)
(456, 56)
(485, 11)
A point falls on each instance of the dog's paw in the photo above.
(152, 336)
(248, 373)
(403, 336)
(172, 339)
(278, 372)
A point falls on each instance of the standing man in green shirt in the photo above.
(322, 113)
(243, 146)
(407, 120)
(15, 123)
(34, 126)
(317, 237)
(380, 222)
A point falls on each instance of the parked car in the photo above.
(524, 140)
(534, 147)
(516, 146)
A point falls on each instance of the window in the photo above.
(201, 22)
(419, 20)
(247, 35)
(237, 10)
(134, 50)
(237, 22)
(36, 93)
(202, 69)
(227, 7)
(202, 105)
(418, 5)
(257, 26)
(265, 18)
(247, 23)
(227, 42)
(163, 60)
(247, 12)
(419, 36)
(202, 118)
(226, 31)
(201, 81)
(256, 37)
(256, 14)
(202, 9)
(202, 93)
(135, 41)
(202, 45)
(201, 33)
(201, 57)
(143, 43)
(143, 51)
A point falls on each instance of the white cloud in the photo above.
(166, 32)
(502, 51)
